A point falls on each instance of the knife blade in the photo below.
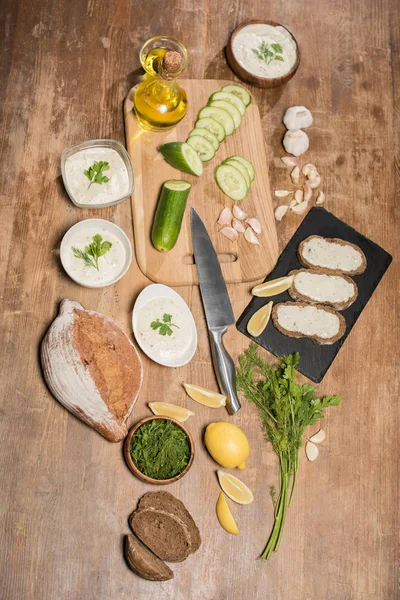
(217, 308)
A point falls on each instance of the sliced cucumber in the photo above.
(230, 108)
(230, 181)
(239, 91)
(211, 125)
(203, 147)
(242, 169)
(247, 164)
(182, 156)
(222, 116)
(169, 214)
(210, 137)
(235, 100)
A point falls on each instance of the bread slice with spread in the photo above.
(332, 254)
(320, 323)
(319, 286)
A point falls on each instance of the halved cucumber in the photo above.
(230, 181)
(169, 214)
(182, 156)
(235, 100)
(247, 164)
(211, 125)
(235, 163)
(220, 115)
(203, 147)
(239, 91)
(230, 108)
(210, 137)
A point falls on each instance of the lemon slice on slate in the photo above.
(273, 287)
(259, 320)
(205, 396)
(165, 409)
(225, 517)
(235, 489)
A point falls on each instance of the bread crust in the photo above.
(340, 242)
(297, 334)
(296, 295)
(144, 562)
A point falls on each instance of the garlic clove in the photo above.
(281, 211)
(238, 213)
(225, 217)
(293, 203)
(281, 193)
(299, 209)
(311, 451)
(312, 174)
(307, 193)
(297, 117)
(296, 142)
(229, 233)
(314, 182)
(295, 175)
(238, 225)
(251, 236)
(298, 196)
(320, 198)
(318, 437)
(290, 161)
(254, 224)
(307, 168)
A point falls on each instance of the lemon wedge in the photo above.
(165, 409)
(235, 489)
(204, 396)
(259, 320)
(273, 287)
(225, 517)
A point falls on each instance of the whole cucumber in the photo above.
(169, 214)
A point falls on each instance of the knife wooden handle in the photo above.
(224, 369)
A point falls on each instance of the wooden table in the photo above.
(66, 493)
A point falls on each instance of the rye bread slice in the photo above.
(168, 503)
(305, 257)
(143, 562)
(319, 281)
(298, 334)
(166, 535)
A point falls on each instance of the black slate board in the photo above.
(316, 359)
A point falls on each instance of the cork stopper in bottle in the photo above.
(172, 62)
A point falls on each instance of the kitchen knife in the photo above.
(218, 309)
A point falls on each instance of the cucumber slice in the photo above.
(203, 147)
(239, 91)
(247, 164)
(231, 182)
(242, 169)
(182, 156)
(169, 214)
(210, 137)
(222, 116)
(230, 108)
(235, 100)
(211, 125)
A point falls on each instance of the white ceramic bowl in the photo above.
(158, 290)
(101, 224)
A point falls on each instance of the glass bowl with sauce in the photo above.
(84, 193)
(263, 53)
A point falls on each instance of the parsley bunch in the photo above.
(269, 52)
(286, 409)
(93, 251)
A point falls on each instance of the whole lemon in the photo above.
(227, 444)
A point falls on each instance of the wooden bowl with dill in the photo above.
(159, 450)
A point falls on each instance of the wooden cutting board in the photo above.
(240, 261)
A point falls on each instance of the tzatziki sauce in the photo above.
(265, 50)
(308, 320)
(324, 288)
(156, 339)
(321, 252)
(97, 193)
(110, 264)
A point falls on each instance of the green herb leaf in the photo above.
(269, 52)
(95, 172)
(164, 327)
(91, 254)
(277, 48)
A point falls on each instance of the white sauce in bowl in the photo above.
(78, 184)
(253, 40)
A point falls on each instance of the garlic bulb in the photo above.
(296, 142)
(297, 117)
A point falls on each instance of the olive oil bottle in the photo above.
(159, 101)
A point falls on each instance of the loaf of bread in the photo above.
(321, 286)
(92, 368)
(144, 563)
(332, 254)
(318, 322)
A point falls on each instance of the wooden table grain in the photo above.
(65, 492)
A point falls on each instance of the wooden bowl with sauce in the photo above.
(131, 463)
(251, 78)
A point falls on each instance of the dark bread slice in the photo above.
(167, 502)
(298, 334)
(144, 563)
(340, 242)
(297, 295)
(166, 535)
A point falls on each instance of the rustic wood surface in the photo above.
(65, 492)
(241, 262)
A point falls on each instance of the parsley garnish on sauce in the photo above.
(95, 172)
(164, 327)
